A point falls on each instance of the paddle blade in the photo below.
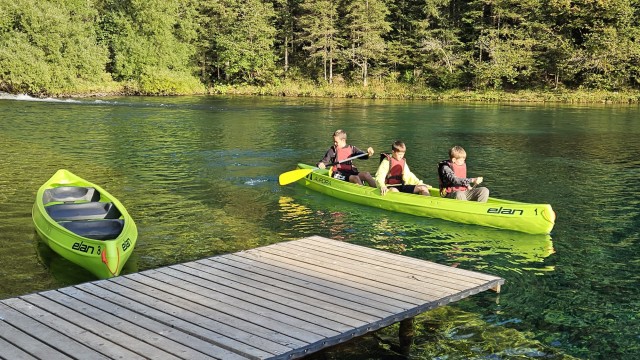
(293, 176)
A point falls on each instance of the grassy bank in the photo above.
(379, 90)
(375, 90)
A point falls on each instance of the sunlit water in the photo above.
(199, 176)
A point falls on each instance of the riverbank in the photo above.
(379, 90)
(375, 90)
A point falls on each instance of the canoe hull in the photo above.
(104, 258)
(497, 213)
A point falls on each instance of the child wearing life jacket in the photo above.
(454, 182)
(341, 151)
(394, 175)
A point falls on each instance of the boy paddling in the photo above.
(454, 183)
(346, 171)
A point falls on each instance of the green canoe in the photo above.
(497, 213)
(84, 224)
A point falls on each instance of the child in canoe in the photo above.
(341, 151)
(394, 175)
(454, 183)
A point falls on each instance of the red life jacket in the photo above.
(396, 168)
(459, 171)
(341, 154)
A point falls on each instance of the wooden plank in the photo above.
(415, 281)
(328, 274)
(10, 352)
(296, 277)
(46, 334)
(407, 261)
(400, 282)
(454, 280)
(280, 301)
(202, 321)
(323, 298)
(271, 312)
(340, 273)
(274, 302)
(190, 346)
(236, 317)
(267, 291)
(112, 333)
(29, 344)
(97, 343)
(158, 338)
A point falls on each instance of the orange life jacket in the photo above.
(341, 154)
(459, 171)
(396, 168)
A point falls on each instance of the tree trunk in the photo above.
(330, 70)
(364, 72)
(286, 55)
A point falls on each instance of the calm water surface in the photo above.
(199, 175)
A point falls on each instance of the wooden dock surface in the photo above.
(280, 301)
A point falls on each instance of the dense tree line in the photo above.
(183, 46)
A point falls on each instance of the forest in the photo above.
(173, 47)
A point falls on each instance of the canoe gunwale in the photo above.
(79, 249)
(497, 213)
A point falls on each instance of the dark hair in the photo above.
(398, 146)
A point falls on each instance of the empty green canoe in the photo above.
(84, 224)
(497, 213)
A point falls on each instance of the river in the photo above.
(199, 176)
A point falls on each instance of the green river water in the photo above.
(199, 176)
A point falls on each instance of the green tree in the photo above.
(604, 38)
(365, 26)
(504, 42)
(319, 34)
(287, 16)
(243, 42)
(50, 47)
(152, 44)
(440, 53)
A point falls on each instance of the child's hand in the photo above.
(478, 180)
(321, 166)
(370, 151)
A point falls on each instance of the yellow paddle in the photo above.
(297, 174)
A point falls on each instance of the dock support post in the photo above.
(406, 335)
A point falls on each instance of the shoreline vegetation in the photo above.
(389, 91)
(581, 51)
(403, 92)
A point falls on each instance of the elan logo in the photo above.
(505, 211)
(81, 246)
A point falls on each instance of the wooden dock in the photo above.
(281, 301)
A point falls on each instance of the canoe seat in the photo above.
(95, 229)
(83, 211)
(70, 194)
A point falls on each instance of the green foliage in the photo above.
(58, 47)
(49, 47)
(319, 35)
(365, 25)
(243, 41)
(151, 42)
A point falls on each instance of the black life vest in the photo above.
(458, 170)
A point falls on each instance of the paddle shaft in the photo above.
(345, 160)
(295, 175)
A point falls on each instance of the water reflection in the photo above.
(469, 246)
